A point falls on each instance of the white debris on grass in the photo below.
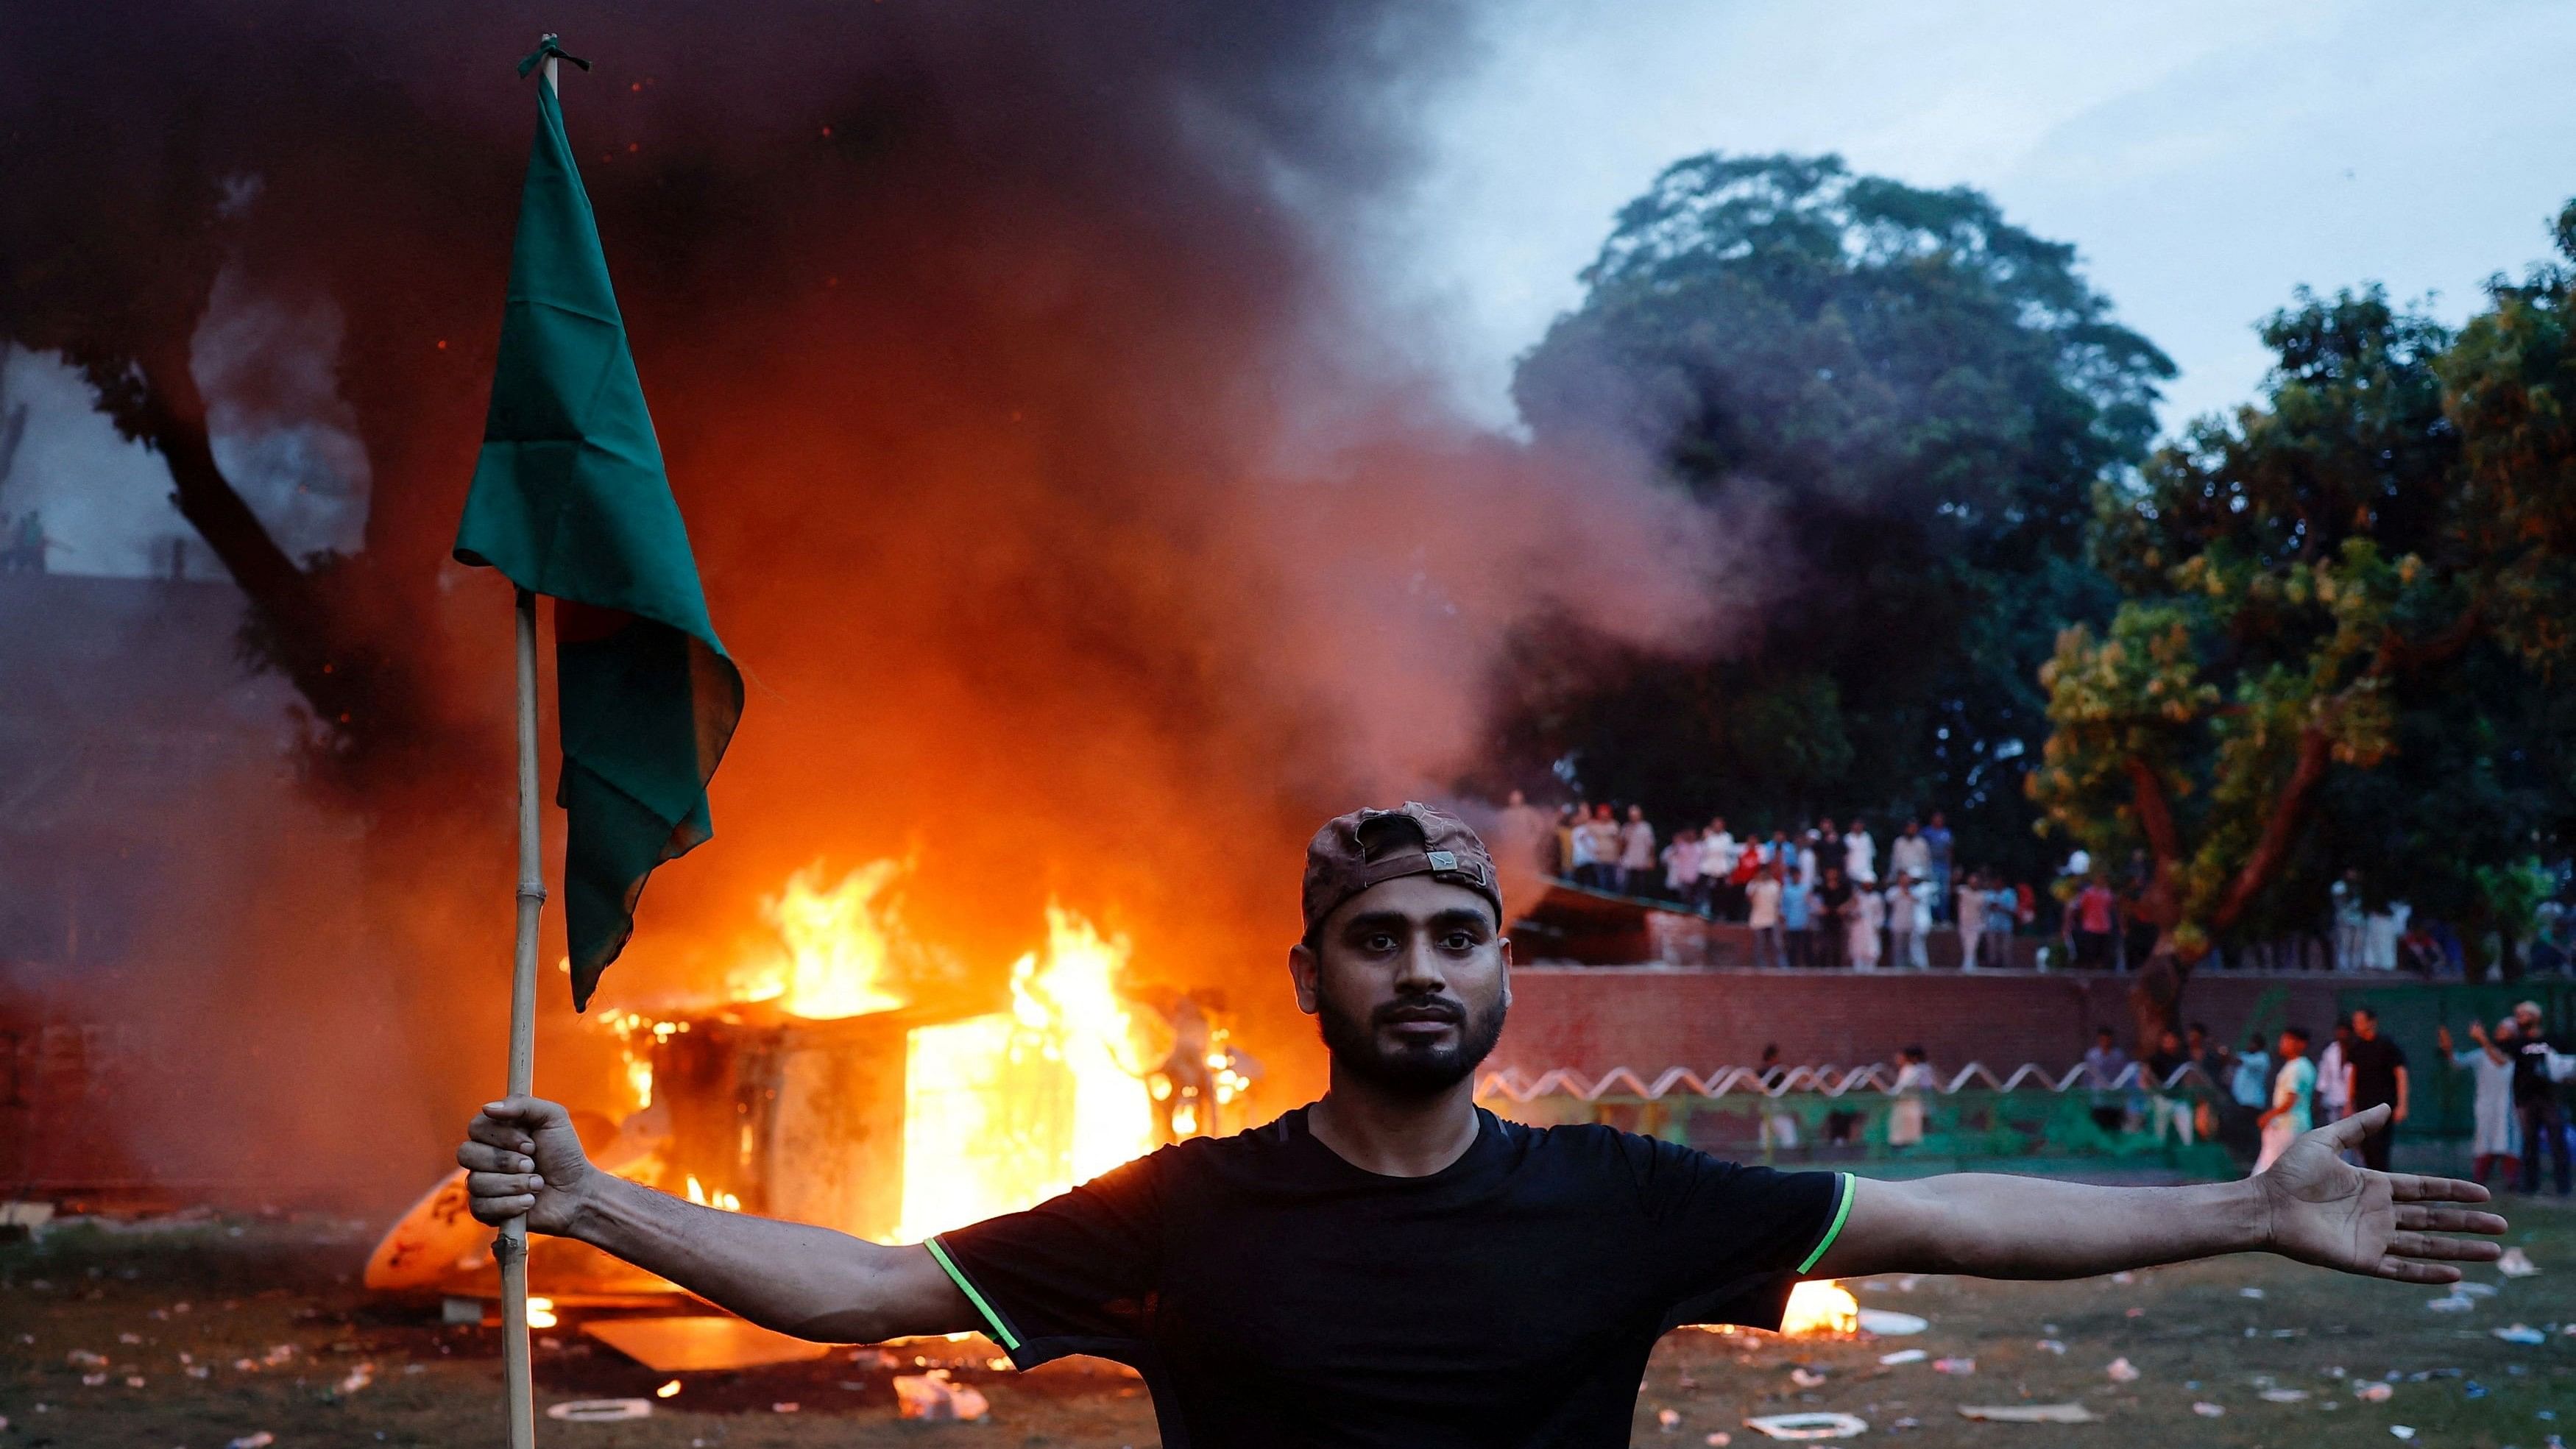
(2522, 1333)
(2374, 1393)
(600, 1411)
(1806, 1378)
(932, 1398)
(2402, 1431)
(2069, 1413)
(2122, 1371)
(1809, 1426)
(260, 1440)
(2284, 1396)
(358, 1378)
(2050, 1345)
(2206, 1409)
(2516, 1264)
(2254, 1293)
(1902, 1356)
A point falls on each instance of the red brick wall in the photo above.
(1647, 1018)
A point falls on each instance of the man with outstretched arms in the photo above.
(1393, 1265)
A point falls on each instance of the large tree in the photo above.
(2369, 565)
(1906, 400)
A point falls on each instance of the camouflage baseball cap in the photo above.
(1355, 851)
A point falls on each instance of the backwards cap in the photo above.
(1366, 847)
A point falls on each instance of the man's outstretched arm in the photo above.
(520, 1156)
(2311, 1206)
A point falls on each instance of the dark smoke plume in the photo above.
(1039, 462)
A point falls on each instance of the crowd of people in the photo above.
(2279, 1089)
(1829, 895)
(1816, 897)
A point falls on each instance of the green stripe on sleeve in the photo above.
(1844, 1188)
(1001, 1330)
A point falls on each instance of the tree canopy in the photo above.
(2343, 604)
(1907, 400)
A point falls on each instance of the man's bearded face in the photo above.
(1410, 986)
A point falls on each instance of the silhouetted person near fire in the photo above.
(1392, 1264)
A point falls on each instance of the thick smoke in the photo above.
(1042, 464)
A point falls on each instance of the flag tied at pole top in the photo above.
(571, 500)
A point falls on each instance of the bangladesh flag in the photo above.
(571, 500)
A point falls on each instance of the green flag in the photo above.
(570, 499)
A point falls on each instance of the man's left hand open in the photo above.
(2323, 1210)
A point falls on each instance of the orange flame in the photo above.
(1820, 1308)
(839, 957)
(1005, 1110)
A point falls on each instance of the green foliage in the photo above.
(2339, 605)
(1907, 399)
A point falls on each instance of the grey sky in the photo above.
(2204, 157)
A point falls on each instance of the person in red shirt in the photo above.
(2096, 914)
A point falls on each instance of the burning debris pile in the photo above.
(860, 1078)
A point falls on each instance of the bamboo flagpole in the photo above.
(510, 1250)
(568, 450)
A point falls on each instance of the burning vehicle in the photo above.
(866, 1080)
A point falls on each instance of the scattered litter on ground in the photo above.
(2206, 1409)
(931, 1397)
(2516, 1264)
(91, 1381)
(670, 1390)
(358, 1378)
(1954, 1365)
(1809, 1426)
(2402, 1431)
(600, 1411)
(260, 1440)
(83, 1358)
(2520, 1333)
(1903, 1355)
(2124, 1278)
(2122, 1371)
(129, 1338)
(1720, 1439)
(1806, 1378)
(2254, 1293)
(2029, 1413)
(785, 1406)
(278, 1354)
(1671, 1419)
(2469, 1289)
(2284, 1396)
(2452, 1303)
(2050, 1345)
(1888, 1324)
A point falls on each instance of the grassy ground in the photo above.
(231, 1296)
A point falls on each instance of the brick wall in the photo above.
(1649, 1018)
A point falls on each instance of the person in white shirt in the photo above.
(1860, 855)
(1762, 913)
(1636, 852)
(2334, 1083)
(1907, 915)
(1972, 917)
(1910, 854)
(1807, 861)
(1717, 852)
(1866, 914)
(1681, 865)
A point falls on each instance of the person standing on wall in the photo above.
(1636, 853)
(1762, 913)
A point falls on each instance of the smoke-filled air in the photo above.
(1049, 465)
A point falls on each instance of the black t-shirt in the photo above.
(2531, 1082)
(2374, 1064)
(1273, 1294)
